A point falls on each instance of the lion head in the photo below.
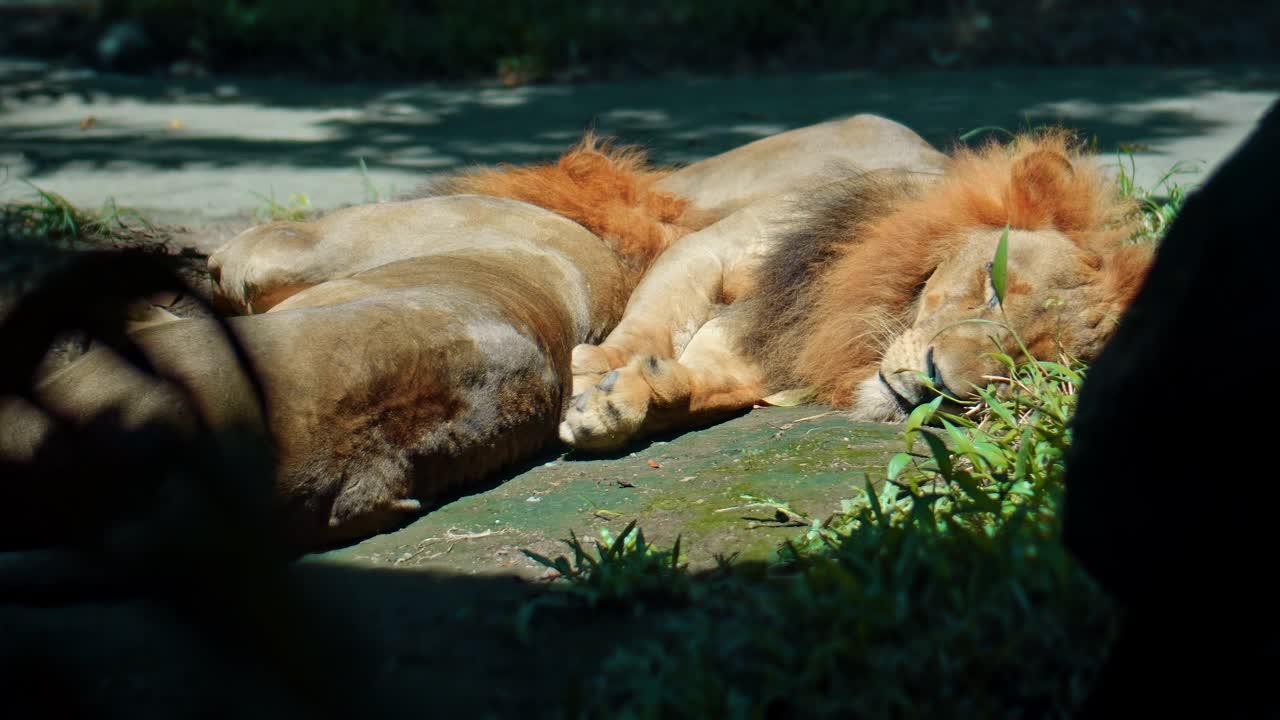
(1058, 301)
(888, 289)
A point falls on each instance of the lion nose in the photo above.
(931, 369)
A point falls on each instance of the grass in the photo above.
(946, 593)
(1158, 204)
(297, 207)
(50, 217)
(625, 571)
(371, 194)
(621, 569)
(36, 233)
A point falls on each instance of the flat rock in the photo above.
(806, 457)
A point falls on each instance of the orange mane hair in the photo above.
(609, 190)
(870, 278)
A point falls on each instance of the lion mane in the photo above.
(608, 189)
(871, 243)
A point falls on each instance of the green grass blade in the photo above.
(874, 501)
(897, 465)
(1000, 266)
(941, 455)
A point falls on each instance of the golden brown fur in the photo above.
(608, 190)
(900, 232)
(410, 347)
(871, 295)
(390, 387)
(637, 209)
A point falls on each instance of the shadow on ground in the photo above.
(142, 125)
(425, 619)
(379, 643)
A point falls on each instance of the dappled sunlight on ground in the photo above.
(214, 146)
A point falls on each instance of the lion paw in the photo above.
(621, 406)
(609, 414)
(590, 363)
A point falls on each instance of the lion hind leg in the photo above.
(371, 500)
(724, 379)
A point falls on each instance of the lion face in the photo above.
(1057, 301)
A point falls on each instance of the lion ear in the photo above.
(1039, 188)
(1041, 173)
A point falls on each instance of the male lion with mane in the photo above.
(409, 348)
(873, 290)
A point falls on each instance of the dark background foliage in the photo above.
(526, 39)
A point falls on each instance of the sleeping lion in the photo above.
(409, 348)
(864, 294)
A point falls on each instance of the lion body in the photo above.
(858, 290)
(398, 383)
(791, 161)
(408, 348)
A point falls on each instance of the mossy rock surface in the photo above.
(690, 486)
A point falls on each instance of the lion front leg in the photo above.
(667, 309)
(691, 283)
(651, 394)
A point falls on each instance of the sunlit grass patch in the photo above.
(296, 207)
(1160, 203)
